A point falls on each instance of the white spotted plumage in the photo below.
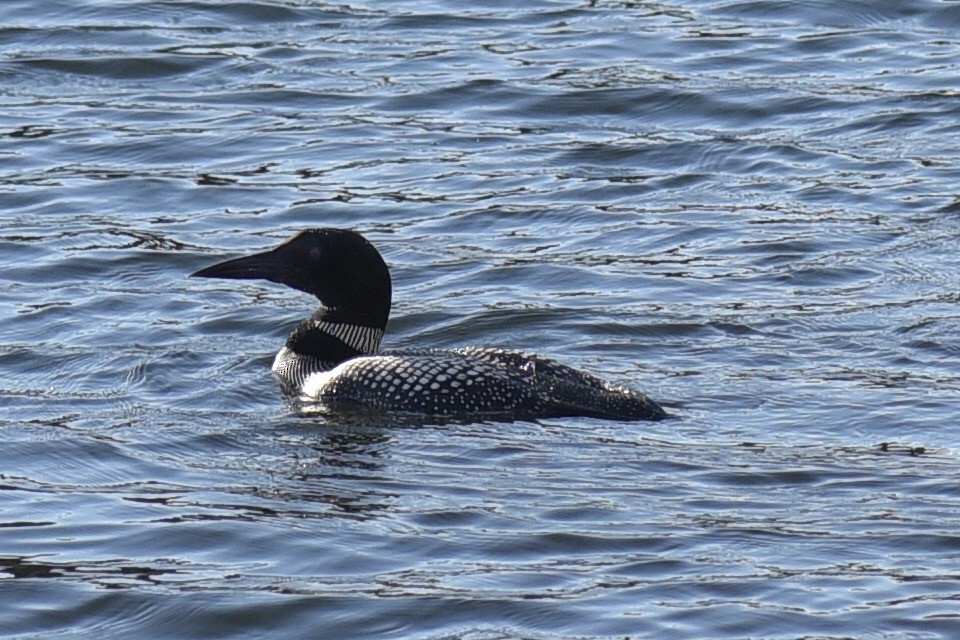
(420, 382)
(470, 381)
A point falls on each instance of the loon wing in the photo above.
(431, 382)
(474, 381)
(569, 391)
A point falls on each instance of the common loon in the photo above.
(333, 358)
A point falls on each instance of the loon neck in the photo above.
(330, 338)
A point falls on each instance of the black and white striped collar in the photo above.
(363, 339)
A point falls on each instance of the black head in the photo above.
(338, 266)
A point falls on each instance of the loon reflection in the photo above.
(333, 358)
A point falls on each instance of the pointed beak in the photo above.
(265, 266)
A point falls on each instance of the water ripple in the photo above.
(746, 209)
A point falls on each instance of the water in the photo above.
(748, 210)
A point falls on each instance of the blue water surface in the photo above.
(748, 210)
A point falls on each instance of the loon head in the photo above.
(338, 266)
